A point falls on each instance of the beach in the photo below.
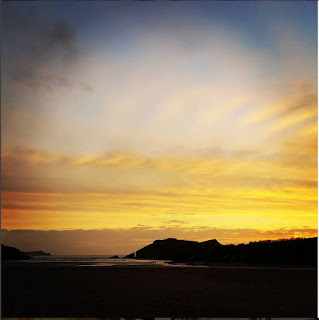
(67, 290)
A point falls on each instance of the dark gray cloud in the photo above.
(85, 86)
(39, 53)
(35, 79)
(62, 34)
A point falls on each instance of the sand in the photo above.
(51, 290)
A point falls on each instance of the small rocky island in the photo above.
(38, 253)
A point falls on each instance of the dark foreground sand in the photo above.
(30, 290)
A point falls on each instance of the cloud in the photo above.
(153, 96)
(48, 51)
(125, 241)
(61, 204)
(25, 156)
(220, 165)
(43, 189)
(175, 222)
(86, 86)
(62, 34)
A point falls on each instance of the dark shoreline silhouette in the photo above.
(49, 289)
(294, 252)
(12, 253)
(297, 252)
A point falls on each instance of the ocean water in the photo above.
(96, 261)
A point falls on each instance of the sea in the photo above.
(95, 261)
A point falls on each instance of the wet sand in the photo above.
(55, 290)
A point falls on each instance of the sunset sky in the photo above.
(127, 122)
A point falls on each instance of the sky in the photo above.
(127, 122)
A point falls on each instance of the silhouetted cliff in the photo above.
(170, 249)
(293, 252)
(11, 253)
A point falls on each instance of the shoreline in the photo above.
(30, 290)
(167, 264)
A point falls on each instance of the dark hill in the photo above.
(288, 252)
(171, 249)
(11, 253)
